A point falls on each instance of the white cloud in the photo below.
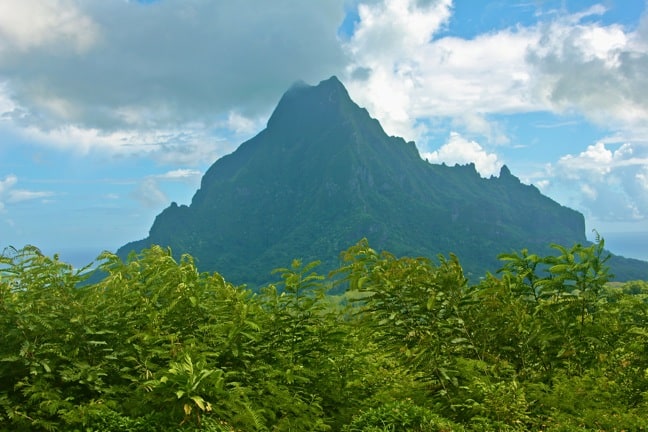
(567, 63)
(612, 182)
(478, 124)
(596, 159)
(642, 180)
(543, 184)
(30, 24)
(190, 145)
(422, 77)
(243, 126)
(19, 195)
(592, 69)
(384, 46)
(393, 30)
(178, 75)
(180, 174)
(6, 104)
(167, 79)
(149, 194)
(459, 150)
(10, 195)
(589, 192)
(6, 184)
(164, 66)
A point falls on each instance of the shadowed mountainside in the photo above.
(323, 175)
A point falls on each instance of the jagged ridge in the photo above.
(323, 174)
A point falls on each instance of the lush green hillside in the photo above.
(324, 174)
(410, 346)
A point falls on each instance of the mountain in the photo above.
(323, 174)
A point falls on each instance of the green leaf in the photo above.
(199, 401)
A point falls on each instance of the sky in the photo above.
(112, 109)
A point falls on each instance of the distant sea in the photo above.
(627, 244)
(78, 257)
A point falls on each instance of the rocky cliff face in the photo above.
(323, 175)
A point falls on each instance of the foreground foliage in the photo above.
(546, 344)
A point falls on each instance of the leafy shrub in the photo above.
(158, 346)
(400, 416)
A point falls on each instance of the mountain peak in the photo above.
(332, 82)
(303, 102)
(505, 175)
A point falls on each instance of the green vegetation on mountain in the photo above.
(324, 174)
(545, 344)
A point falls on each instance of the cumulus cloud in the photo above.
(612, 181)
(119, 76)
(422, 77)
(52, 24)
(138, 69)
(180, 60)
(563, 63)
(459, 150)
(592, 69)
(385, 61)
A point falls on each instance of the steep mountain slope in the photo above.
(323, 174)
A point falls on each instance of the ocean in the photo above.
(627, 244)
